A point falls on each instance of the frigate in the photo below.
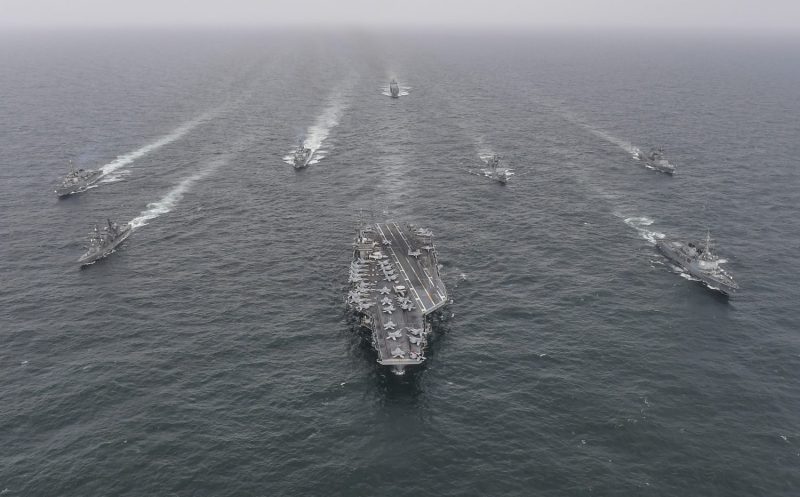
(394, 284)
(302, 156)
(701, 262)
(394, 89)
(103, 242)
(655, 160)
(77, 181)
(495, 172)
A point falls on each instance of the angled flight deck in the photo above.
(394, 284)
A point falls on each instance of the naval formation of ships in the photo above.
(394, 274)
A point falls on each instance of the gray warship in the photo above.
(394, 89)
(77, 181)
(655, 160)
(701, 262)
(495, 172)
(103, 242)
(302, 156)
(394, 284)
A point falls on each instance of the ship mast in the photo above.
(707, 251)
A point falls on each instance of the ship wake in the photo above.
(319, 131)
(641, 225)
(177, 133)
(627, 146)
(115, 176)
(171, 199)
(624, 145)
(404, 91)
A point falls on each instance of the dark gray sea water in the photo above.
(213, 356)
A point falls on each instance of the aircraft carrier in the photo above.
(394, 284)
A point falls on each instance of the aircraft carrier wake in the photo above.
(394, 284)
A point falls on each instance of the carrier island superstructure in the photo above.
(394, 284)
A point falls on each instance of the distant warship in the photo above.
(394, 89)
(302, 156)
(104, 241)
(655, 160)
(77, 181)
(701, 262)
(495, 172)
(394, 285)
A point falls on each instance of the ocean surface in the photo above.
(212, 355)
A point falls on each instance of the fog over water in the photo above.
(643, 14)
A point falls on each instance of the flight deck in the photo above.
(394, 284)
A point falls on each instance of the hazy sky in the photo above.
(724, 14)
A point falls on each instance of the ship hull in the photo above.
(79, 187)
(710, 282)
(662, 166)
(666, 169)
(302, 162)
(394, 285)
(91, 258)
(493, 175)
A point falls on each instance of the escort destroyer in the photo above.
(77, 181)
(103, 242)
(701, 262)
(301, 156)
(655, 160)
(495, 172)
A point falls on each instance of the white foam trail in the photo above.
(115, 176)
(180, 131)
(322, 127)
(624, 145)
(401, 94)
(485, 154)
(639, 224)
(166, 204)
(404, 91)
